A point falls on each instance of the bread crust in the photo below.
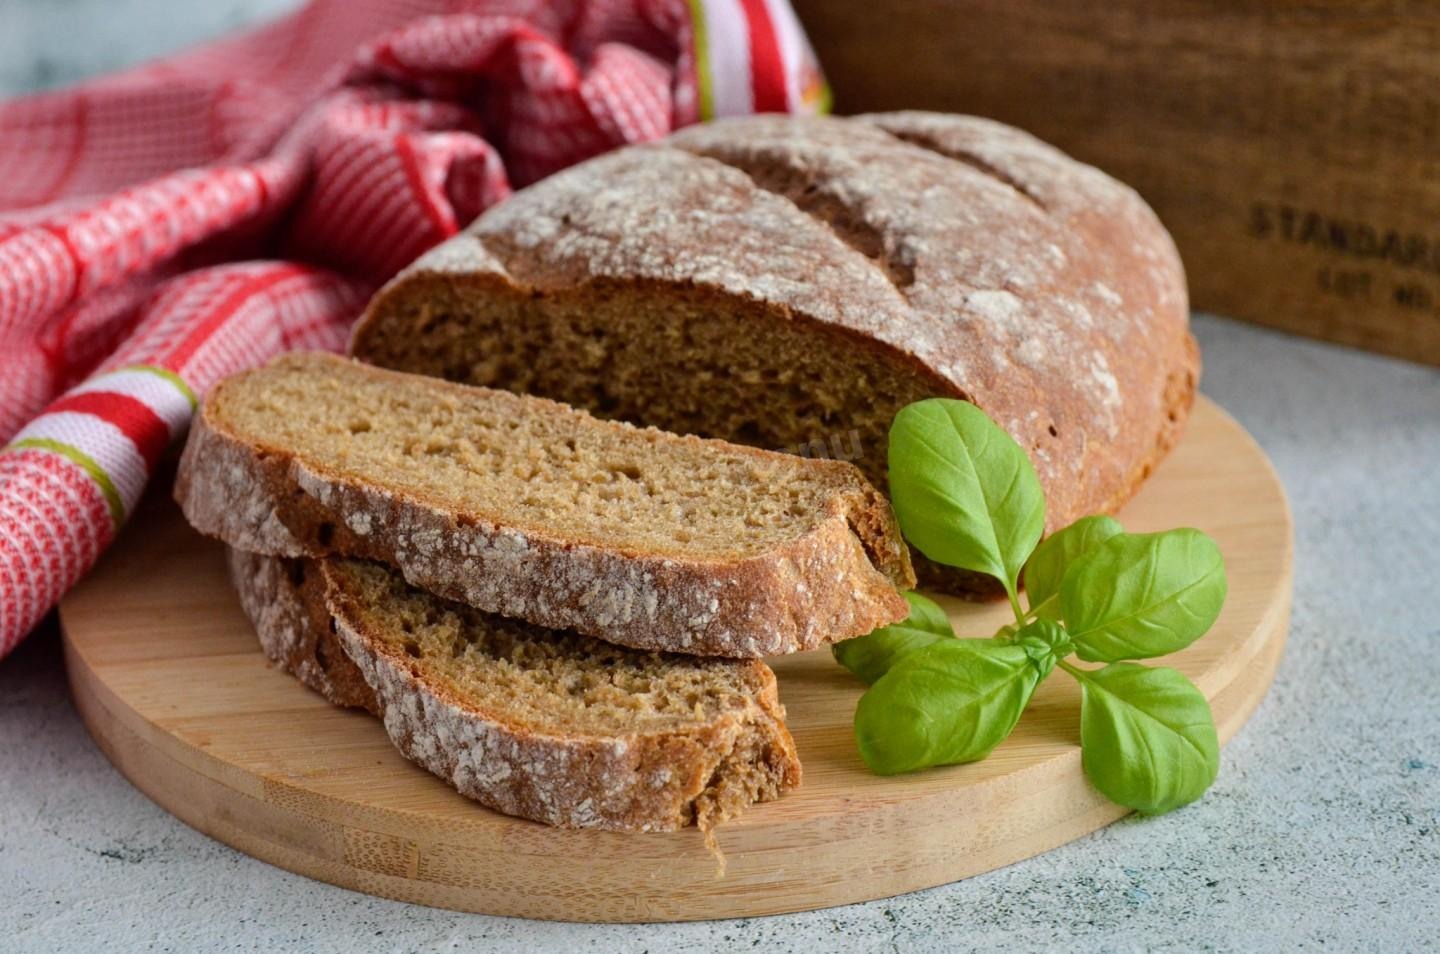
(834, 582)
(293, 626)
(983, 260)
(627, 782)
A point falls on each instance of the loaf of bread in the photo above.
(555, 727)
(521, 506)
(792, 282)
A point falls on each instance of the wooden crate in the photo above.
(1293, 148)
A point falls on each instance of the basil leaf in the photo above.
(1045, 642)
(1047, 565)
(1141, 595)
(927, 614)
(964, 492)
(947, 703)
(870, 657)
(1147, 737)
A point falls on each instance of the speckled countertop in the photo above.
(1323, 829)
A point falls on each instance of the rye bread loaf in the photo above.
(792, 282)
(551, 726)
(524, 507)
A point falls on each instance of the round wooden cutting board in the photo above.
(168, 676)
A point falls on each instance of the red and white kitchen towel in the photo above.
(164, 227)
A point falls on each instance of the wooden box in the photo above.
(1293, 148)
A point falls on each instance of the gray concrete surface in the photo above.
(1323, 830)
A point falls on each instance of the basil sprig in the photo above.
(967, 496)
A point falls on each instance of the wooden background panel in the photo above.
(1292, 148)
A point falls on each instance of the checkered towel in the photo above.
(168, 226)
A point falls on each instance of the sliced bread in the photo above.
(551, 726)
(524, 507)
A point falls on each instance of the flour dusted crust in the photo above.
(625, 782)
(990, 263)
(621, 784)
(813, 589)
(293, 625)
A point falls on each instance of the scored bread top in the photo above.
(525, 507)
(987, 263)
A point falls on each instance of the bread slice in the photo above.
(556, 727)
(531, 509)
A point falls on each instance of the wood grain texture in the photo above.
(167, 674)
(1291, 148)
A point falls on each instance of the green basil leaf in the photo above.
(1147, 737)
(964, 492)
(1141, 595)
(1045, 642)
(1047, 565)
(950, 702)
(870, 657)
(927, 614)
